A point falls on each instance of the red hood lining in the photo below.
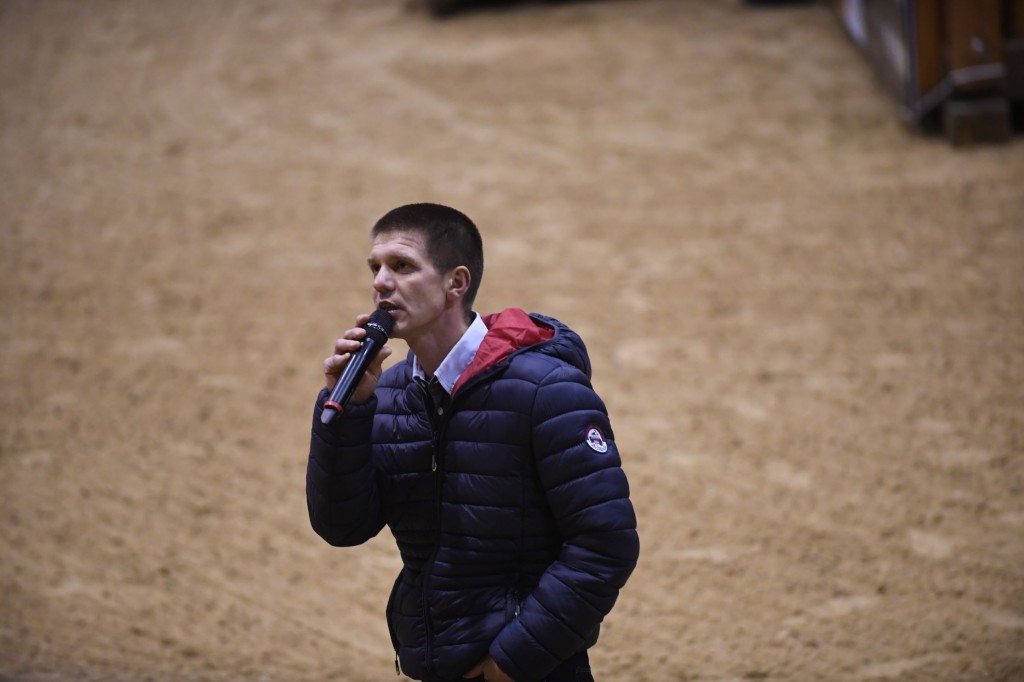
(507, 332)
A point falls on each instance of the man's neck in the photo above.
(431, 349)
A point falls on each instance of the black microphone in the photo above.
(377, 329)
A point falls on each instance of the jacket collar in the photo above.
(507, 332)
(458, 358)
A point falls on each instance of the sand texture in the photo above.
(807, 322)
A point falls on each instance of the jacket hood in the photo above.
(513, 330)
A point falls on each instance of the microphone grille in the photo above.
(383, 320)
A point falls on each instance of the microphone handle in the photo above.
(349, 379)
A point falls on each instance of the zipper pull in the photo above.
(435, 446)
(398, 668)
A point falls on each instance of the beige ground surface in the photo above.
(807, 322)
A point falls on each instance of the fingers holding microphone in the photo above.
(350, 342)
(351, 373)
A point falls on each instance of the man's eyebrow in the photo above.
(400, 253)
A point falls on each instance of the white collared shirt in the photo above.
(458, 358)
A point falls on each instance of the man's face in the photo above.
(405, 283)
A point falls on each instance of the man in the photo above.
(491, 459)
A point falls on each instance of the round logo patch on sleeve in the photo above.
(596, 441)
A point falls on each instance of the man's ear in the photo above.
(458, 281)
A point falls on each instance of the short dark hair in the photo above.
(451, 239)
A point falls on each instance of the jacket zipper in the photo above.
(513, 596)
(428, 626)
(438, 428)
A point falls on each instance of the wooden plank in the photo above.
(1015, 69)
(974, 45)
(1015, 21)
(931, 69)
(975, 121)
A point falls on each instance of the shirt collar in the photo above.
(458, 358)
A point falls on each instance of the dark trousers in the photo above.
(574, 669)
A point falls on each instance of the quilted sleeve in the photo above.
(579, 468)
(341, 486)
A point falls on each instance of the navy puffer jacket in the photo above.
(512, 513)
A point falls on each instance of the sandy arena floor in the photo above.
(807, 322)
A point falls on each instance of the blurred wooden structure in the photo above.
(959, 62)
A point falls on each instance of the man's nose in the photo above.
(382, 281)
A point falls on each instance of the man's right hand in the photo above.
(344, 347)
(489, 670)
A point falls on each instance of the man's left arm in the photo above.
(579, 467)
